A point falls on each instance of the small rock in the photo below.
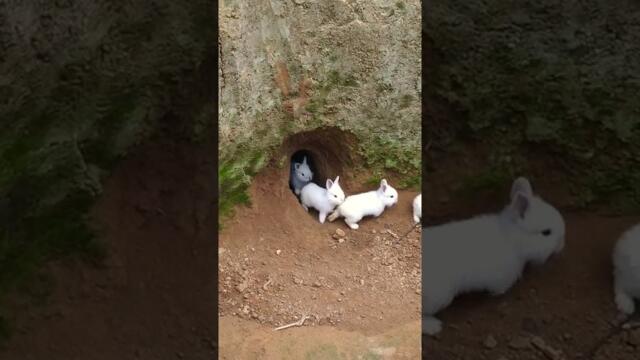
(520, 343)
(340, 241)
(340, 233)
(278, 252)
(490, 342)
(242, 286)
(317, 284)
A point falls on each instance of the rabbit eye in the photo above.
(546, 232)
(392, 196)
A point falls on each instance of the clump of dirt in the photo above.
(278, 263)
(563, 307)
(154, 297)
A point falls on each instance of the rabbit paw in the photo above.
(354, 226)
(323, 216)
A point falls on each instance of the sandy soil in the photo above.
(277, 263)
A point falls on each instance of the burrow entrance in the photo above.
(329, 152)
(278, 262)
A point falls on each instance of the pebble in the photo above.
(340, 233)
(278, 252)
(490, 342)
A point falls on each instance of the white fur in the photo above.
(487, 252)
(626, 263)
(300, 175)
(417, 208)
(371, 203)
(323, 200)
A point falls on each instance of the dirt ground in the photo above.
(278, 263)
(565, 305)
(155, 296)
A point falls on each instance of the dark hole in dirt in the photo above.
(300, 157)
(329, 152)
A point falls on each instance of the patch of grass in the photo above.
(400, 5)
(234, 179)
(411, 182)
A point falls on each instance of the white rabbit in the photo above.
(417, 208)
(300, 175)
(487, 252)
(626, 263)
(355, 207)
(323, 200)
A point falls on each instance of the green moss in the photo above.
(234, 179)
(335, 78)
(488, 181)
(405, 101)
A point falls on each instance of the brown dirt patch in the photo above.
(154, 297)
(368, 283)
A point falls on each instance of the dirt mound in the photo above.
(278, 263)
(155, 297)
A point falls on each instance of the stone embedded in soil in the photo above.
(520, 343)
(549, 352)
(278, 252)
(339, 234)
(242, 286)
(490, 342)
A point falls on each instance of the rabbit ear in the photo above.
(520, 203)
(521, 185)
(329, 183)
(304, 160)
(337, 179)
(383, 185)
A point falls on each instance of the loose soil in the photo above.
(154, 297)
(567, 303)
(278, 263)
